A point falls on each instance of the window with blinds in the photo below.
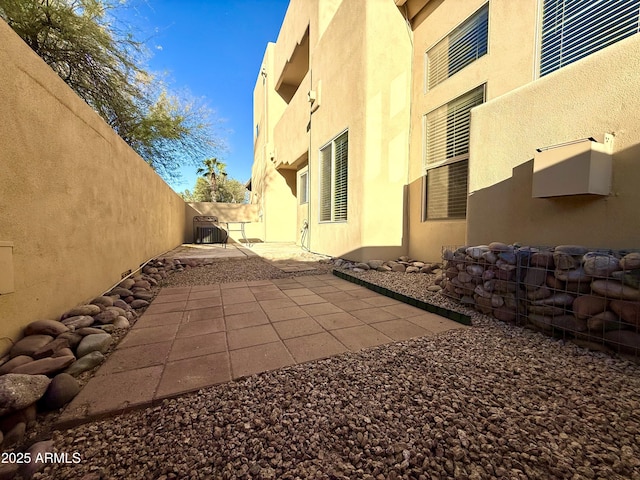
(303, 186)
(446, 191)
(462, 46)
(447, 132)
(334, 168)
(573, 29)
(447, 129)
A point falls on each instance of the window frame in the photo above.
(337, 213)
(584, 45)
(473, 94)
(469, 24)
(303, 186)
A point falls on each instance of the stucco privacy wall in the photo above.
(589, 98)
(226, 212)
(79, 206)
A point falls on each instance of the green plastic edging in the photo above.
(443, 312)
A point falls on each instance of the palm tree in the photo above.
(212, 168)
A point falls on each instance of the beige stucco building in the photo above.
(396, 127)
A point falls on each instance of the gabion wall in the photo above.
(571, 290)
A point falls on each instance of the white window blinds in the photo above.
(303, 187)
(573, 29)
(447, 129)
(462, 46)
(446, 195)
(334, 160)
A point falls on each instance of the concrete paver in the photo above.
(194, 337)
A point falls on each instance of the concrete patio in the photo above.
(194, 337)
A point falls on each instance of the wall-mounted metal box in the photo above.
(6, 268)
(574, 168)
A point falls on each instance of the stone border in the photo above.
(443, 312)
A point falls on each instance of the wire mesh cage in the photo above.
(589, 295)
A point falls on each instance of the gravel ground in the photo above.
(490, 401)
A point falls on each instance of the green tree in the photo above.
(201, 191)
(231, 190)
(104, 65)
(212, 171)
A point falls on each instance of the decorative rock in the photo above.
(15, 435)
(375, 264)
(476, 252)
(122, 304)
(118, 310)
(539, 294)
(543, 260)
(546, 310)
(61, 391)
(600, 265)
(403, 258)
(483, 304)
(434, 288)
(139, 303)
(363, 266)
(563, 322)
(121, 322)
(45, 327)
(628, 277)
(504, 314)
(534, 278)
(571, 249)
(475, 270)
(88, 331)
(129, 282)
(615, 289)
(482, 292)
(85, 363)
(72, 337)
(398, 267)
(490, 257)
(99, 342)
(554, 283)
(383, 268)
(412, 270)
(464, 277)
(122, 292)
(603, 322)
(89, 310)
(45, 366)
(64, 352)
(144, 295)
(500, 247)
(103, 300)
(78, 321)
(15, 362)
(586, 306)
(578, 287)
(107, 316)
(418, 264)
(625, 340)
(28, 470)
(50, 348)
(630, 261)
(497, 301)
(508, 257)
(28, 345)
(558, 299)
(573, 275)
(354, 269)
(504, 286)
(142, 284)
(19, 391)
(564, 261)
(628, 311)
(107, 327)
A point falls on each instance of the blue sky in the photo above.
(213, 48)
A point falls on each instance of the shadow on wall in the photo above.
(226, 212)
(507, 212)
(388, 251)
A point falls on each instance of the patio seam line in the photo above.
(166, 360)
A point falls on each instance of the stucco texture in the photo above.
(78, 204)
(589, 98)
